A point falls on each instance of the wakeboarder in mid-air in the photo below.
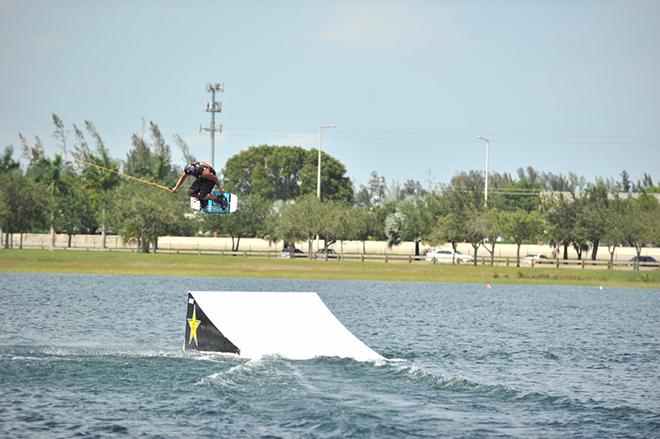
(202, 187)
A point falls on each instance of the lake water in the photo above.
(85, 355)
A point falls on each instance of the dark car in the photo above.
(291, 252)
(326, 253)
(643, 260)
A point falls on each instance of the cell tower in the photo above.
(213, 107)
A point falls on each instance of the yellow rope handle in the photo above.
(150, 183)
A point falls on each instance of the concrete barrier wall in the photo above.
(43, 240)
(94, 242)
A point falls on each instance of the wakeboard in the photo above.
(213, 207)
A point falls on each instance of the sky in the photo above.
(562, 85)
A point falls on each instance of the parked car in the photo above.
(291, 252)
(644, 261)
(326, 253)
(537, 258)
(445, 256)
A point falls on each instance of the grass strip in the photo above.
(165, 264)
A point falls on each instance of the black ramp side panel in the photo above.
(201, 333)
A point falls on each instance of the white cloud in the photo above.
(4, 5)
(305, 139)
(378, 25)
(46, 42)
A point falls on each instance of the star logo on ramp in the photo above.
(193, 323)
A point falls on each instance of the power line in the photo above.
(357, 133)
(499, 192)
(399, 136)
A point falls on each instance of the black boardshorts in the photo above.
(200, 188)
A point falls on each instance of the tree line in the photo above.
(81, 190)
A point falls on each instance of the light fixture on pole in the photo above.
(213, 107)
(487, 170)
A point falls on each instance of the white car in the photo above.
(445, 256)
(538, 258)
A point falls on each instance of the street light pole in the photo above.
(318, 171)
(318, 174)
(487, 168)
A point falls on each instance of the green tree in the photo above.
(286, 172)
(74, 213)
(465, 191)
(31, 151)
(363, 225)
(67, 206)
(300, 221)
(251, 220)
(521, 195)
(560, 216)
(380, 214)
(373, 194)
(412, 188)
(185, 149)
(475, 230)
(580, 240)
(98, 173)
(592, 220)
(346, 224)
(490, 223)
(522, 226)
(142, 213)
(449, 228)
(335, 185)
(7, 162)
(625, 181)
(60, 133)
(140, 161)
(47, 174)
(163, 172)
(615, 231)
(269, 171)
(7, 165)
(417, 218)
(151, 162)
(641, 223)
(392, 227)
(335, 223)
(21, 205)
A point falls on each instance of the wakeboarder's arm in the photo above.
(179, 182)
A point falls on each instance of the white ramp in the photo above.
(297, 326)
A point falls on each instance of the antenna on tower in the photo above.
(213, 107)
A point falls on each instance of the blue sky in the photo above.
(564, 86)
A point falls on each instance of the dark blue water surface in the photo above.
(102, 356)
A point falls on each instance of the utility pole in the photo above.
(318, 175)
(318, 169)
(487, 169)
(213, 107)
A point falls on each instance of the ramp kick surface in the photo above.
(297, 326)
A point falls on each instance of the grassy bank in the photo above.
(228, 266)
